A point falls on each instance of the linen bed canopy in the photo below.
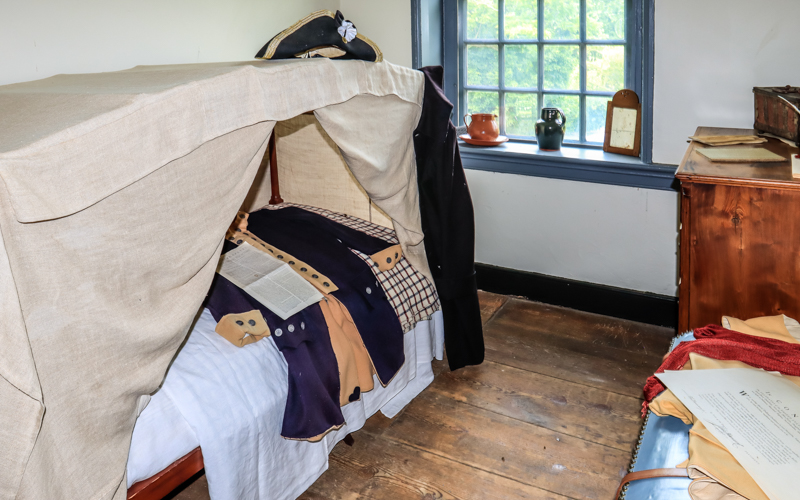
(116, 192)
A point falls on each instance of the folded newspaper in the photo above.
(268, 280)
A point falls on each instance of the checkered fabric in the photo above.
(412, 295)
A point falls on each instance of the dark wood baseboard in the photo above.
(653, 309)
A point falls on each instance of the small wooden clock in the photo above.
(623, 124)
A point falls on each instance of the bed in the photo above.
(215, 389)
(116, 192)
(163, 436)
(229, 402)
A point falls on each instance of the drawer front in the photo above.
(744, 244)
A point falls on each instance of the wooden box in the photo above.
(777, 111)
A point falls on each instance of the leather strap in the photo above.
(650, 473)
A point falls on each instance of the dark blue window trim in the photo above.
(439, 19)
(571, 163)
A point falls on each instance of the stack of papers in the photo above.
(755, 414)
(727, 140)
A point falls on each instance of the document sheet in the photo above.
(623, 131)
(755, 414)
(268, 280)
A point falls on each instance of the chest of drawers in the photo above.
(739, 237)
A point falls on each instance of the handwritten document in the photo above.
(623, 128)
(268, 280)
(755, 414)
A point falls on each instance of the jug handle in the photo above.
(563, 117)
(465, 119)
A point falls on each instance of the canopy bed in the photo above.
(117, 192)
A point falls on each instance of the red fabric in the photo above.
(720, 343)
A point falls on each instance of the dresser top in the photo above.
(697, 168)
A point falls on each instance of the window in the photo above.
(598, 24)
(518, 56)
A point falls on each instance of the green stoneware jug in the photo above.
(550, 129)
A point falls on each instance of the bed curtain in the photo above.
(116, 192)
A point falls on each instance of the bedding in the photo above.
(100, 166)
(230, 401)
(234, 401)
(160, 437)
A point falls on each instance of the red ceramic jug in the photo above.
(482, 126)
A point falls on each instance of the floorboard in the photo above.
(491, 442)
(555, 404)
(576, 346)
(490, 304)
(552, 413)
(379, 468)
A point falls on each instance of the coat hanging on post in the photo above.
(448, 223)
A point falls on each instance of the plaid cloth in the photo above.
(412, 295)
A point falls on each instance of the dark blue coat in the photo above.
(312, 407)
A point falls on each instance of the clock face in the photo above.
(623, 128)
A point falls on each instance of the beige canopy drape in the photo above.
(116, 192)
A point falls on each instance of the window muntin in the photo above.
(529, 54)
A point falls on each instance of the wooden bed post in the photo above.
(273, 171)
(160, 485)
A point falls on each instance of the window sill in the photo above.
(571, 163)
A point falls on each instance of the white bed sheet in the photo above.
(160, 437)
(230, 401)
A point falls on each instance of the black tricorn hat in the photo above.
(321, 34)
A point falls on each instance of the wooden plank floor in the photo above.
(553, 413)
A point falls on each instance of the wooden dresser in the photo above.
(739, 238)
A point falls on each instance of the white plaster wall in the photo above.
(41, 38)
(385, 22)
(709, 55)
(613, 235)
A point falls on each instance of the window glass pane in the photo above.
(570, 105)
(605, 19)
(596, 118)
(605, 67)
(482, 65)
(520, 19)
(521, 65)
(482, 19)
(562, 67)
(482, 102)
(521, 114)
(562, 19)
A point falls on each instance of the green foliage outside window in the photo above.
(603, 68)
(521, 18)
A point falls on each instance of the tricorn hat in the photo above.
(321, 34)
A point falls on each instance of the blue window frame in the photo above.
(580, 159)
